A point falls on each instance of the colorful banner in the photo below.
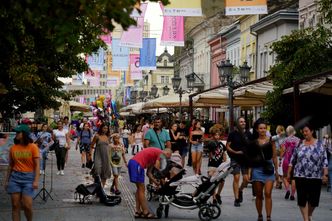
(96, 60)
(142, 7)
(92, 74)
(110, 72)
(173, 31)
(135, 72)
(183, 8)
(128, 80)
(148, 54)
(134, 36)
(82, 100)
(113, 82)
(120, 56)
(245, 7)
(94, 82)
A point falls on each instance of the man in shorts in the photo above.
(147, 158)
(236, 145)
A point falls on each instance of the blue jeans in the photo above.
(43, 155)
(125, 143)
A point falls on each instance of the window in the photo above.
(162, 79)
(167, 80)
(165, 63)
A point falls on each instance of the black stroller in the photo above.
(171, 193)
(84, 194)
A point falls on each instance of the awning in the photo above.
(76, 106)
(132, 107)
(172, 101)
(320, 85)
(249, 95)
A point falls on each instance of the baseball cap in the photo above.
(22, 128)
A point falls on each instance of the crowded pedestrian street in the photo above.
(63, 206)
(166, 109)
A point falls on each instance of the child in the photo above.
(117, 157)
(217, 155)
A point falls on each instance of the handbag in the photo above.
(268, 167)
(54, 146)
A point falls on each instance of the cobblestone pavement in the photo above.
(64, 208)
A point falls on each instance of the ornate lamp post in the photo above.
(176, 81)
(133, 96)
(165, 90)
(225, 69)
(154, 91)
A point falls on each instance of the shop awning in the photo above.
(249, 95)
(320, 85)
(132, 107)
(172, 101)
(76, 106)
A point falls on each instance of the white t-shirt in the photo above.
(125, 133)
(60, 136)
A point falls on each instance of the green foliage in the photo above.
(41, 41)
(303, 53)
(325, 8)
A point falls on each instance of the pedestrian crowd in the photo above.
(265, 161)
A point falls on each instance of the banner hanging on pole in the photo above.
(110, 72)
(120, 56)
(245, 7)
(148, 54)
(135, 72)
(173, 31)
(183, 8)
(96, 60)
(133, 37)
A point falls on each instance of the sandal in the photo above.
(148, 216)
(138, 215)
(218, 198)
(260, 218)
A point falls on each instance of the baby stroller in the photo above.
(172, 193)
(84, 194)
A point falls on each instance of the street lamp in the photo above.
(176, 82)
(133, 96)
(154, 91)
(165, 90)
(142, 95)
(225, 70)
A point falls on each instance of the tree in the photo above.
(303, 53)
(41, 41)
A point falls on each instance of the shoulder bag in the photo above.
(161, 146)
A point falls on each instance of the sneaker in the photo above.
(287, 195)
(117, 192)
(62, 173)
(58, 173)
(83, 165)
(42, 172)
(237, 203)
(292, 198)
(240, 196)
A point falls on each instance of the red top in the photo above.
(147, 157)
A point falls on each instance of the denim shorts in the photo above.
(197, 147)
(136, 172)
(116, 170)
(21, 182)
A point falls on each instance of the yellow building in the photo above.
(248, 42)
